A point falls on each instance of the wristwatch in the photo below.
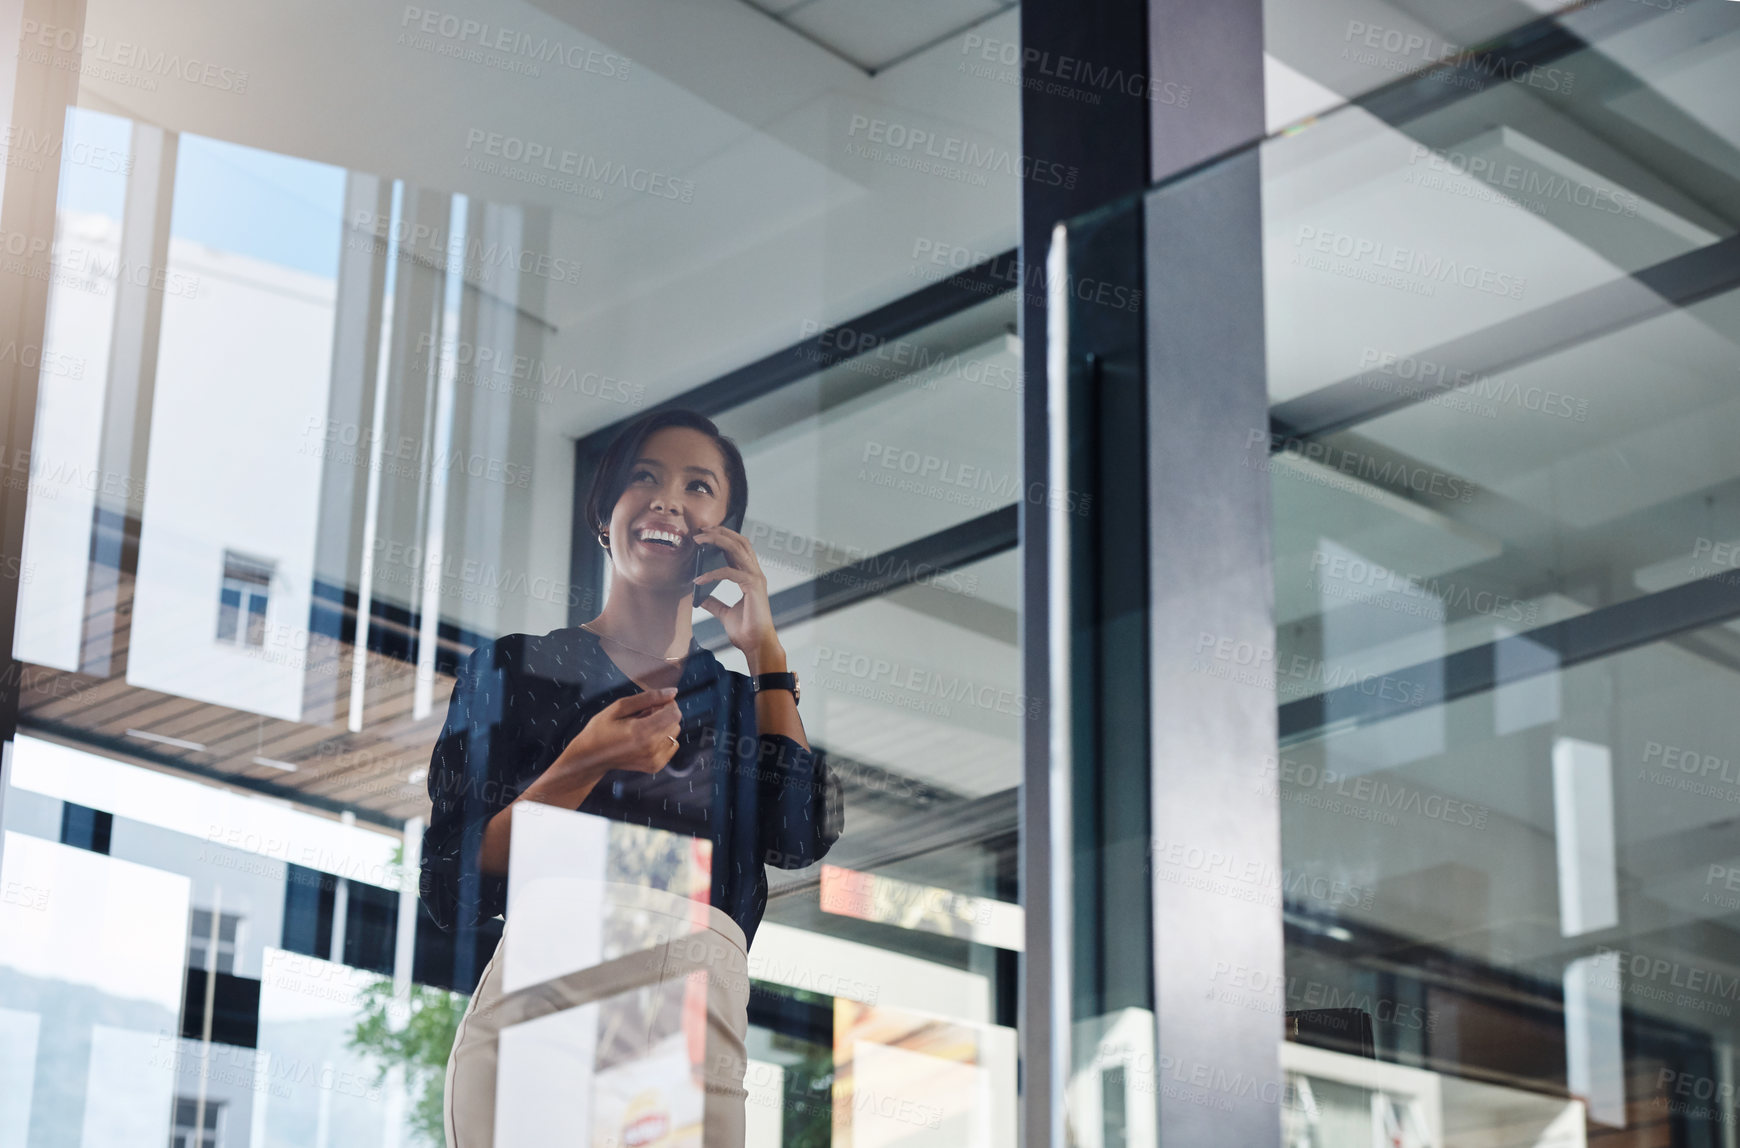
(777, 682)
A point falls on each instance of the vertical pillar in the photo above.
(1209, 572)
(401, 428)
(343, 537)
(1210, 736)
(132, 384)
(1171, 537)
(1098, 138)
(37, 85)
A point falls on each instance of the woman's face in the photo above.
(675, 487)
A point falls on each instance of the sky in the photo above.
(256, 203)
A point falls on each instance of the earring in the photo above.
(604, 539)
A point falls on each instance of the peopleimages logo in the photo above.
(1003, 270)
(919, 681)
(403, 456)
(906, 358)
(1421, 264)
(434, 248)
(1307, 783)
(1469, 68)
(25, 148)
(492, 369)
(1656, 978)
(1531, 182)
(943, 477)
(1381, 367)
(118, 61)
(900, 138)
(816, 557)
(1066, 75)
(1257, 988)
(1349, 576)
(467, 36)
(1384, 473)
(543, 165)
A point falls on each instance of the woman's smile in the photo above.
(661, 540)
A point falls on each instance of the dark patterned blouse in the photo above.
(519, 700)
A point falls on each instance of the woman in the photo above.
(590, 718)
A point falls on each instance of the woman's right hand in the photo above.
(635, 733)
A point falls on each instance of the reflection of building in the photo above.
(213, 633)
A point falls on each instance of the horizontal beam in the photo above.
(114, 748)
(903, 316)
(960, 545)
(1598, 634)
(1533, 45)
(947, 826)
(1588, 315)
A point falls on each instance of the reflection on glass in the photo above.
(708, 773)
(1504, 649)
(915, 1080)
(327, 315)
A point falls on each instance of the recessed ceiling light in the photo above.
(165, 739)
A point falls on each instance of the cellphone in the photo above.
(707, 558)
(711, 558)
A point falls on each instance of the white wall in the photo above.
(243, 372)
(64, 453)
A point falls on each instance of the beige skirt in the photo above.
(687, 1091)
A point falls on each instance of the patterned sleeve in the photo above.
(802, 812)
(466, 789)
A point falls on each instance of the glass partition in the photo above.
(1500, 334)
(1500, 312)
(334, 292)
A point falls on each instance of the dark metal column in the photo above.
(1216, 857)
(1166, 532)
(1219, 1079)
(1075, 119)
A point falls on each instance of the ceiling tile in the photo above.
(875, 33)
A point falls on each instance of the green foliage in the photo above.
(809, 1098)
(415, 1034)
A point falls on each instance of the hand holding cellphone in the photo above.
(707, 558)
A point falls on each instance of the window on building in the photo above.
(188, 1133)
(86, 828)
(199, 940)
(309, 900)
(242, 600)
(371, 927)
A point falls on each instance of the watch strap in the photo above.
(784, 681)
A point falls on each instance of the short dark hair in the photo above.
(611, 477)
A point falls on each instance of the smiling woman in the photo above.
(626, 718)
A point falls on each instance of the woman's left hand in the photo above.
(749, 623)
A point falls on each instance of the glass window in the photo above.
(201, 941)
(336, 322)
(194, 1128)
(242, 600)
(1500, 311)
(1503, 523)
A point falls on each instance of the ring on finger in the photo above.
(675, 742)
